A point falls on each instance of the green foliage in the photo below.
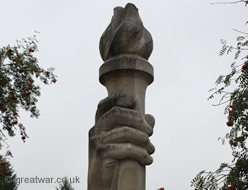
(231, 176)
(223, 177)
(7, 175)
(65, 185)
(19, 71)
(239, 174)
(236, 100)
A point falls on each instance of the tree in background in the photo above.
(19, 72)
(234, 93)
(7, 176)
(65, 185)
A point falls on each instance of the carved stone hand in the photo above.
(119, 133)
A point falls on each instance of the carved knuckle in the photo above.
(126, 131)
(144, 154)
(116, 111)
(150, 120)
(129, 147)
(99, 148)
(152, 149)
(95, 141)
(150, 161)
(103, 148)
(102, 105)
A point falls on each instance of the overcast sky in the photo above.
(186, 63)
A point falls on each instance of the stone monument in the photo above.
(119, 145)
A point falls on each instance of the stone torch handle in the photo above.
(129, 75)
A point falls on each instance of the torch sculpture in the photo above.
(119, 145)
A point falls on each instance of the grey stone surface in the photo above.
(126, 35)
(119, 144)
(127, 62)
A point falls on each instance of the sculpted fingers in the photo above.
(150, 119)
(119, 100)
(120, 132)
(124, 143)
(118, 117)
(127, 135)
(125, 151)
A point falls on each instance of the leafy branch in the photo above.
(235, 175)
(19, 69)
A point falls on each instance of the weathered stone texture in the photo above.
(119, 144)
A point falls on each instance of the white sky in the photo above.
(186, 37)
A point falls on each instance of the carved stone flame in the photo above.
(126, 35)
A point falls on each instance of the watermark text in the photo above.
(19, 180)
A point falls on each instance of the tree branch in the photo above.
(221, 103)
(240, 31)
(230, 2)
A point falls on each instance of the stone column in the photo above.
(128, 75)
(125, 47)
